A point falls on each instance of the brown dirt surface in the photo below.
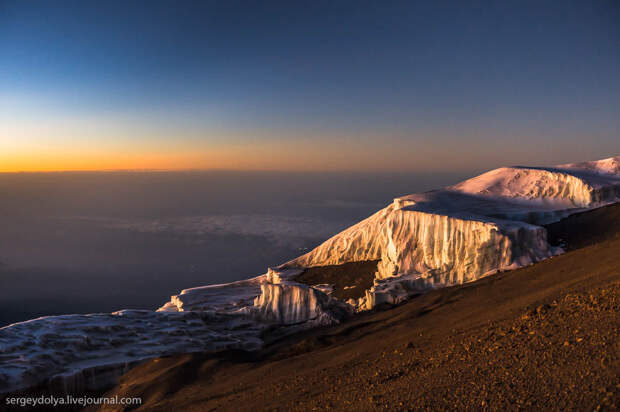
(350, 280)
(544, 337)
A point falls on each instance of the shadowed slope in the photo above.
(586, 228)
(350, 280)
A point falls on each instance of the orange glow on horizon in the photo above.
(320, 152)
(265, 157)
(41, 142)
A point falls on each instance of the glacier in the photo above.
(422, 241)
(466, 231)
(74, 353)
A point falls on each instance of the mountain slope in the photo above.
(544, 336)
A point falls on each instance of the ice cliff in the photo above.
(422, 241)
(452, 248)
(466, 231)
(272, 298)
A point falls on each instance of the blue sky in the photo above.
(307, 85)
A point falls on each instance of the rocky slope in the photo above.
(544, 337)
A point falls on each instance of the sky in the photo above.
(316, 85)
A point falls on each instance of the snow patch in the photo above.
(611, 165)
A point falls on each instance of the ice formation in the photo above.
(73, 353)
(466, 231)
(422, 241)
(271, 298)
(224, 298)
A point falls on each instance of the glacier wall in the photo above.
(289, 304)
(456, 250)
(448, 250)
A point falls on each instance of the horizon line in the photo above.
(184, 170)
